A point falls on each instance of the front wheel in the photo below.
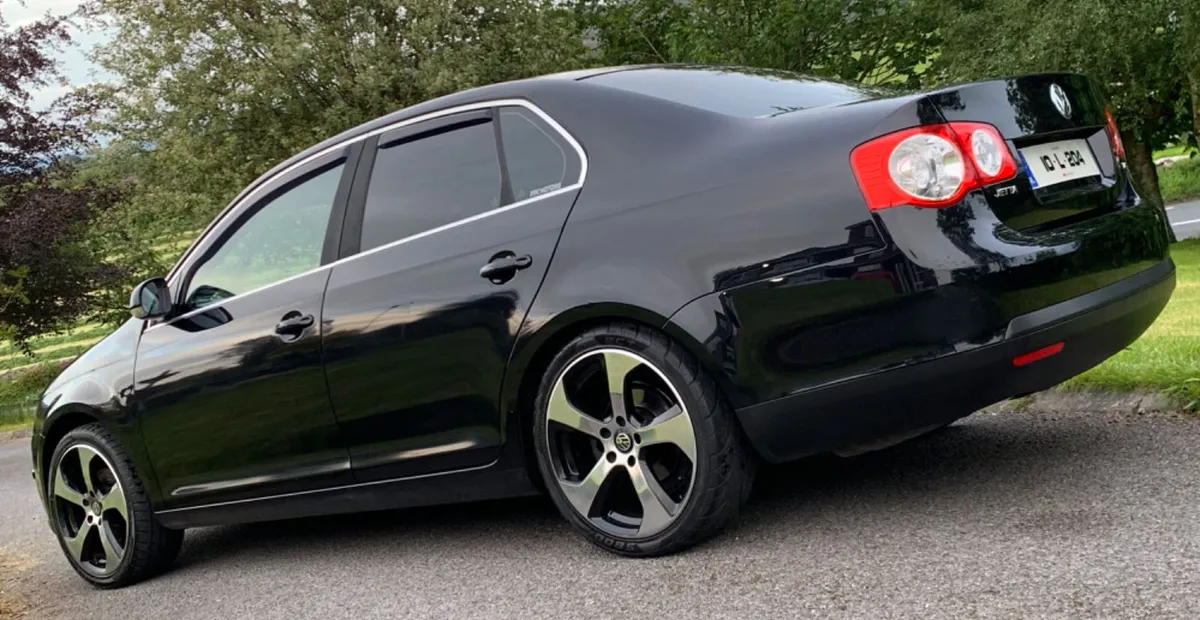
(101, 514)
(638, 449)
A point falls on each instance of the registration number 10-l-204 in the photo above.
(1065, 159)
(1059, 162)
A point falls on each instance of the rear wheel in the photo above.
(638, 449)
(101, 513)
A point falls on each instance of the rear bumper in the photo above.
(894, 402)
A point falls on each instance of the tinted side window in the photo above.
(281, 239)
(539, 160)
(431, 181)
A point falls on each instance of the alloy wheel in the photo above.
(91, 512)
(622, 444)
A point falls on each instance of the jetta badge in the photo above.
(1059, 97)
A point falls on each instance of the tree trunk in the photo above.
(1139, 154)
(1194, 80)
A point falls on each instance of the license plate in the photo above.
(1059, 162)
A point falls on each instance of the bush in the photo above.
(19, 394)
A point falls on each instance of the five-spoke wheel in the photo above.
(616, 425)
(100, 511)
(635, 444)
(90, 508)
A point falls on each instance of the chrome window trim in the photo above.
(248, 198)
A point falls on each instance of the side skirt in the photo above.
(469, 485)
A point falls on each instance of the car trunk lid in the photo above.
(1056, 127)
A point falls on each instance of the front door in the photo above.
(231, 394)
(448, 240)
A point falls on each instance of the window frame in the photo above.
(356, 211)
(355, 150)
(447, 120)
(216, 237)
(498, 113)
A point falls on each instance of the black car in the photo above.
(623, 287)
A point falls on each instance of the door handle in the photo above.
(293, 324)
(503, 266)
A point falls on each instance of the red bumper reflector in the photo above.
(1040, 354)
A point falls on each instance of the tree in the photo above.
(1188, 52)
(48, 273)
(1127, 47)
(218, 91)
(873, 41)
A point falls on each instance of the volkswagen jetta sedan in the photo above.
(622, 287)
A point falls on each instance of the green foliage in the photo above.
(216, 93)
(18, 396)
(1181, 181)
(1128, 47)
(872, 41)
(12, 292)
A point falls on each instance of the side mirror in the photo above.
(150, 299)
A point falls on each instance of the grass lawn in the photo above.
(1181, 181)
(1167, 356)
(1173, 151)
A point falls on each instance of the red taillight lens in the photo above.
(1114, 135)
(993, 161)
(926, 166)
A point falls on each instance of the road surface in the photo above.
(1185, 219)
(1013, 515)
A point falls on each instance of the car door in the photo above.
(231, 393)
(446, 243)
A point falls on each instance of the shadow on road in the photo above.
(963, 469)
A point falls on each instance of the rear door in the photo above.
(452, 223)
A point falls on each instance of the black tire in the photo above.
(725, 465)
(150, 547)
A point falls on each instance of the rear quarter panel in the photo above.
(682, 203)
(750, 237)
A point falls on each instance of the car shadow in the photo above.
(963, 468)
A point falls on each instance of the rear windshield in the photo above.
(735, 91)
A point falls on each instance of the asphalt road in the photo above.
(1014, 515)
(1185, 219)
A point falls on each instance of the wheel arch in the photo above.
(63, 421)
(55, 428)
(68, 416)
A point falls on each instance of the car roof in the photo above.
(528, 88)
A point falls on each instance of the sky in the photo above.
(72, 58)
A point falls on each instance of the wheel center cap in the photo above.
(623, 442)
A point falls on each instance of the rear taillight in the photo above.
(1114, 135)
(928, 166)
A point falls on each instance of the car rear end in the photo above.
(1026, 255)
(1025, 194)
(856, 266)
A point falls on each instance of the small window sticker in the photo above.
(544, 190)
